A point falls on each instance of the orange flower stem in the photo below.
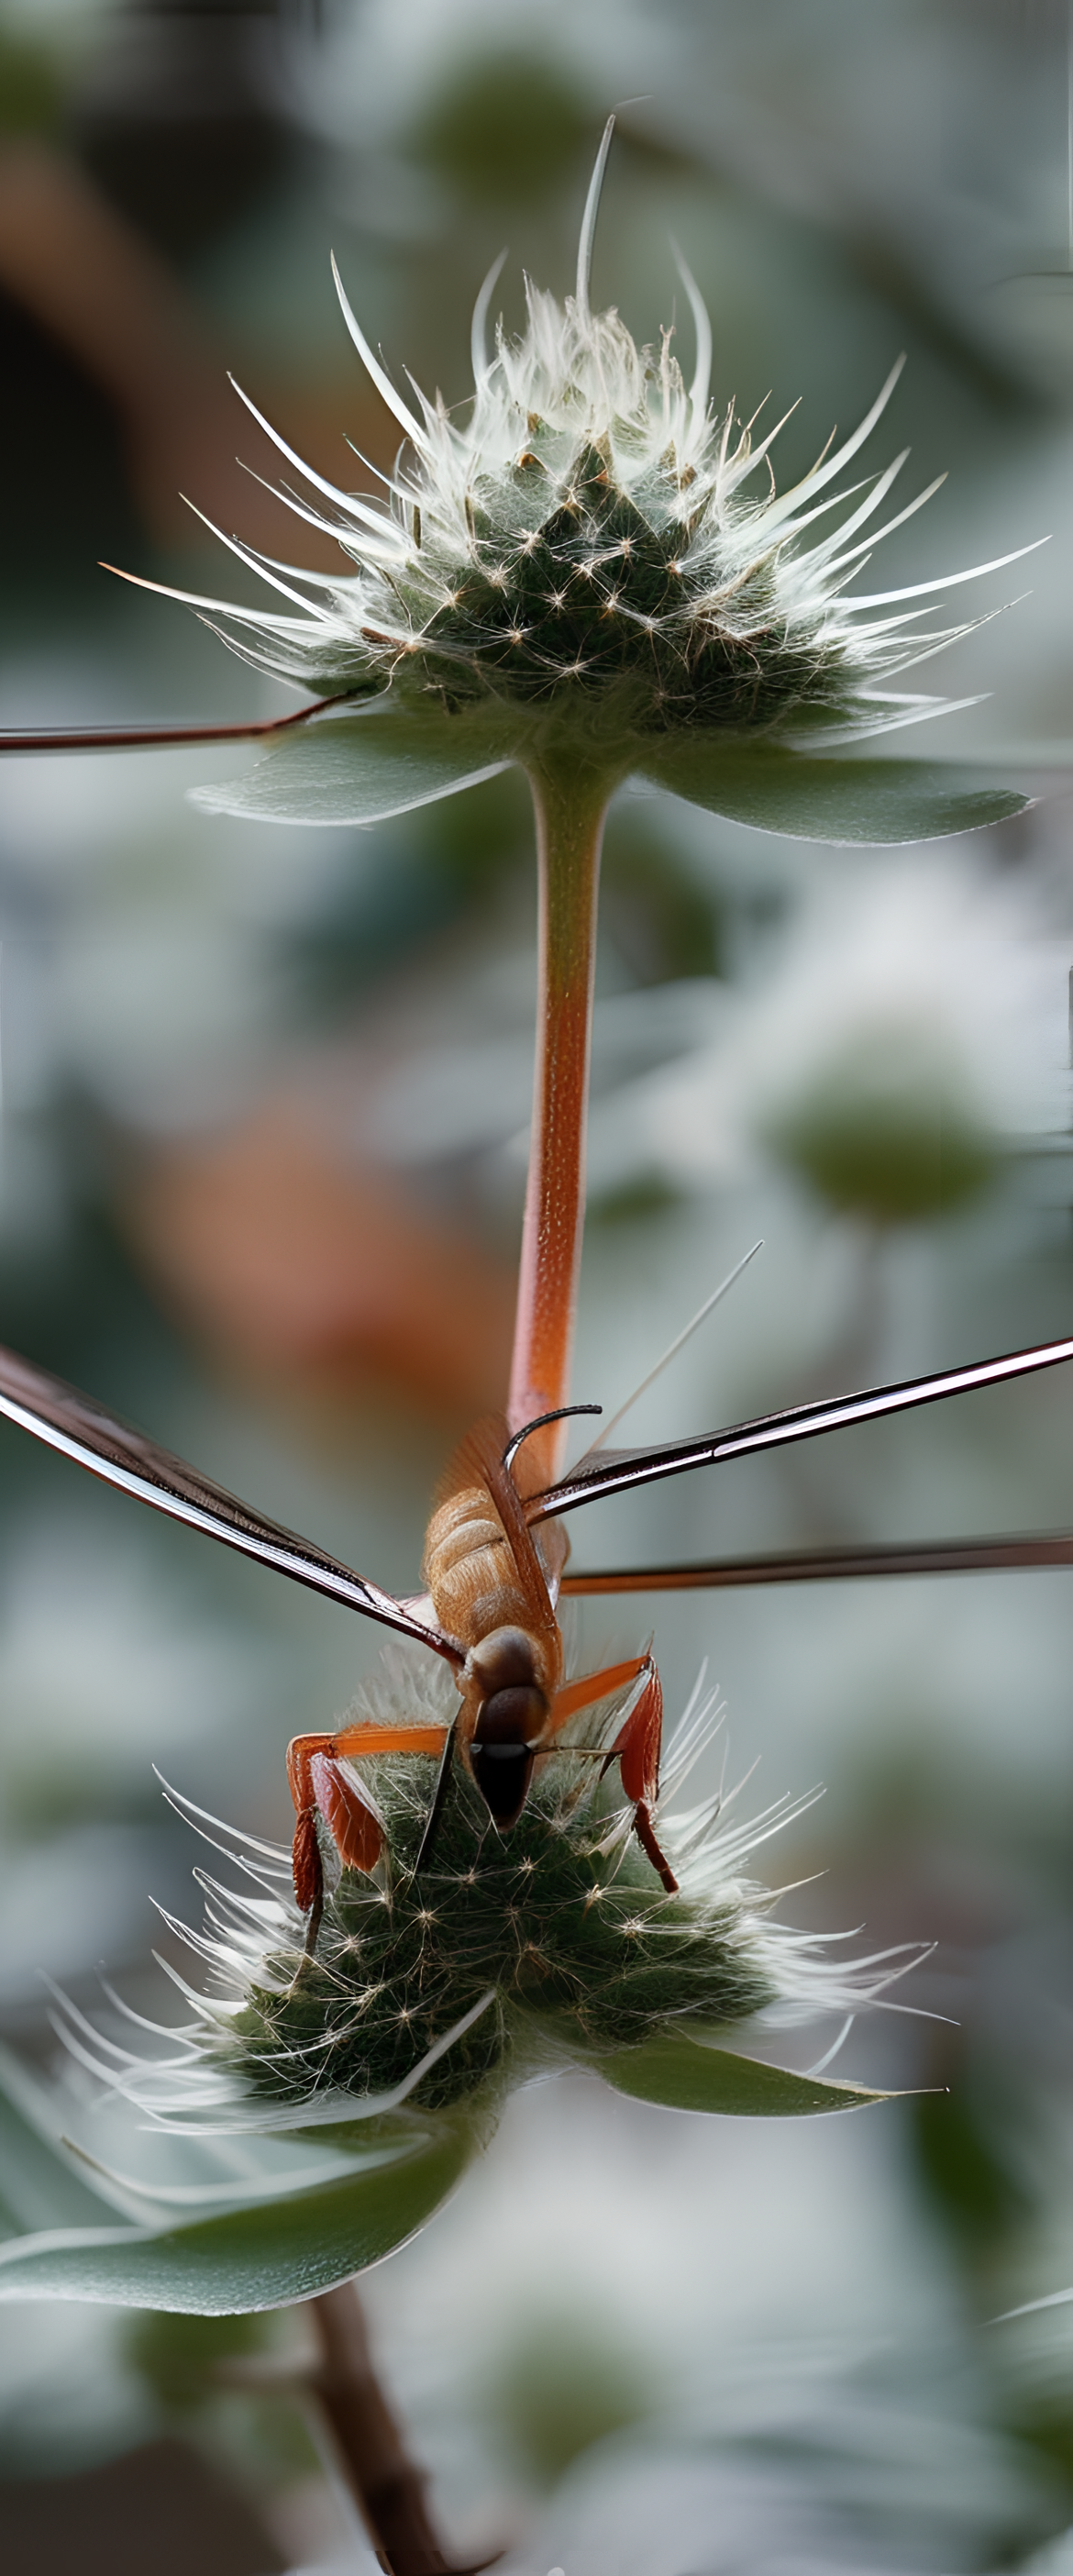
(571, 804)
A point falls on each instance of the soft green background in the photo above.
(787, 2324)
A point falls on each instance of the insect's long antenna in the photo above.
(1018, 1553)
(673, 1349)
(776, 1430)
(157, 737)
(120, 1456)
(562, 1413)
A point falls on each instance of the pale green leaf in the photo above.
(361, 768)
(262, 2257)
(40, 2182)
(812, 799)
(687, 2074)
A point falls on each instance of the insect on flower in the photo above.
(575, 581)
(494, 1564)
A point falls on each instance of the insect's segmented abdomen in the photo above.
(470, 1569)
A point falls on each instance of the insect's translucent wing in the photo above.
(74, 1424)
(833, 1565)
(588, 1483)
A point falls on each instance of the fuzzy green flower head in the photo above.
(586, 556)
(318, 2107)
(550, 1945)
(588, 566)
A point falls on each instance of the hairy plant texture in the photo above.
(588, 554)
(553, 1942)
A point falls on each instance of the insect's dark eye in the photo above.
(511, 1717)
(502, 1773)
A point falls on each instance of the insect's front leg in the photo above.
(637, 1745)
(322, 1784)
(637, 1748)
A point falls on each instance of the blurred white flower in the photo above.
(912, 1032)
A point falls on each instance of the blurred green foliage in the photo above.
(184, 2361)
(885, 1129)
(635, 1202)
(662, 923)
(569, 2381)
(504, 126)
(180, 2357)
(470, 857)
(31, 87)
(968, 2171)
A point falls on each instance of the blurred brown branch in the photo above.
(387, 2485)
(106, 297)
(319, 1269)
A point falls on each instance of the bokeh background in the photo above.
(261, 1166)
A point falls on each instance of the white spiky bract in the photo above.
(552, 1946)
(588, 555)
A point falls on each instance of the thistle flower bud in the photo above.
(586, 566)
(551, 1945)
(588, 556)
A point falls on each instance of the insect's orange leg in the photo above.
(637, 1750)
(636, 1747)
(638, 1744)
(590, 1687)
(320, 1785)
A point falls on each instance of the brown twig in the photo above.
(387, 2485)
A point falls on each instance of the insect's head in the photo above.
(511, 1719)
